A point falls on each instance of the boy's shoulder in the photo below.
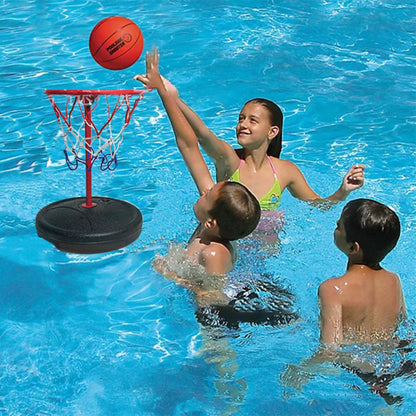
(335, 287)
(217, 257)
(330, 287)
(353, 278)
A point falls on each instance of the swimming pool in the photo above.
(106, 335)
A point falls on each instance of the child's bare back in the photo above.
(366, 304)
(370, 303)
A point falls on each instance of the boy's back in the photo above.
(368, 303)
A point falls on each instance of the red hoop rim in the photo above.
(94, 92)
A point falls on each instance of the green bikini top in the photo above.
(272, 199)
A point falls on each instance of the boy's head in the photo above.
(374, 226)
(234, 208)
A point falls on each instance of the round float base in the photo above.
(109, 225)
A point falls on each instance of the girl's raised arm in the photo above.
(185, 136)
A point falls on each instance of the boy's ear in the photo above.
(210, 223)
(273, 132)
(355, 248)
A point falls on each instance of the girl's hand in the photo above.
(152, 78)
(354, 178)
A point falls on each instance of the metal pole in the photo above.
(88, 180)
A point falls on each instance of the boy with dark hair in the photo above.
(366, 304)
(226, 211)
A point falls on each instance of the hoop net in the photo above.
(85, 139)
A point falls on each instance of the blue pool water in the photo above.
(104, 334)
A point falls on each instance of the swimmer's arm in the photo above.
(353, 180)
(208, 140)
(298, 375)
(291, 177)
(218, 150)
(160, 266)
(185, 136)
(188, 146)
(300, 189)
(330, 318)
(204, 295)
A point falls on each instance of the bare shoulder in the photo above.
(328, 283)
(329, 287)
(385, 277)
(290, 176)
(283, 163)
(216, 258)
(394, 278)
(392, 275)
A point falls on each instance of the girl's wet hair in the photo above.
(374, 226)
(276, 119)
(236, 210)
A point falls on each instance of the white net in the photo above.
(93, 124)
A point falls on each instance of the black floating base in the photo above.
(109, 225)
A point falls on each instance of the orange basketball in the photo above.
(116, 42)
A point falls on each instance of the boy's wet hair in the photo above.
(374, 226)
(276, 119)
(236, 210)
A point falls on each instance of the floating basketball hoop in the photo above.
(91, 224)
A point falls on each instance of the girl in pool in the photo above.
(257, 163)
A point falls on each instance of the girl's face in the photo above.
(254, 127)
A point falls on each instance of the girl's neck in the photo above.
(255, 158)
